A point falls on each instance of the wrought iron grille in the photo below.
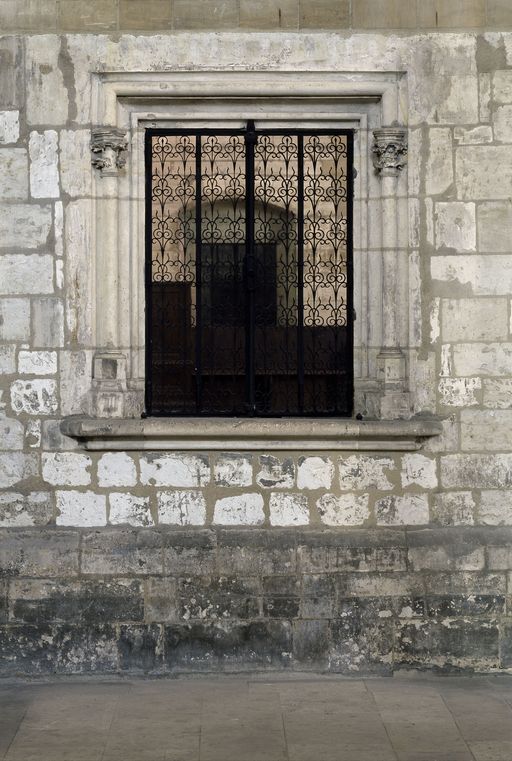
(249, 272)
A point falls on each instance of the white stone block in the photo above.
(484, 93)
(489, 275)
(363, 472)
(459, 392)
(407, 510)
(476, 471)
(288, 509)
(233, 470)
(486, 430)
(502, 124)
(344, 510)
(483, 359)
(455, 508)
(14, 319)
(9, 127)
(116, 469)
(7, 360)
(315, 473)
(276, 473)
(495, 508)
(174, 470)
(502, 86)
(14, 174)
(473, 135)
(11, 434)
(44, 171)
(498, 393)
(58, 226)
(66, 468)
(242, 510)
(48, 322)
(75, 162)
(475, 319)
(26, 273)
(494, 226)
(181, 508)
(418, 470)
(35, 397)
(80, 301)
(16, 467)
(47, 94)
(24, 226)
(81, 508)
(455, 226)
(37, 362)
(127, 508)
(33, 509)
(483, 172)
(439, 170)
(435, 323)
(75, 381)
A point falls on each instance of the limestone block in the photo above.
(448, 441)
(181, 508)
(454, 508)
(442, 14)
(9, 127)
(459, 392)
(276, 473)
(58, 227)
(474, 319)
(435, 323)
(11, 434)
(16, 467)
(498, 393)
(66, 468)
(53, 439)
(502, 124)
(80, 508)
(344, 510)
(418, 470)
(92, 16)
(502, 86)
(494, 226)
(14, 319)
(14, 173)
(33, 509)
(499, 12)
(127, 508)
(486, 430)
(35, 397)
(44, 171)
(47, 95)
(233, 470)
(363, 472)
(489, 275)
(75, 381)
(266, 14)
(174, 469)
(154, 14)
(7, 360)
(26, 273)
(484, 93)
(202, 14)
(476, 471)
(324, 14)
(315, 473)
(116, 469)
(483, 172)
(24, 226)
(75, 162)
(445, 558)
(288, 509)
(33, 433)
(439, 170)
(242, 510)
(77, 243)
(483, 359)
(37, 362)
(455, 225)
(495, 508)
(407, 510)
(473, 135)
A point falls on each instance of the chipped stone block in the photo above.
(502, 124)
(35, 397)
(127, 508)
(311, 643)
(33, 433)
(44, 171)
(160, 600)
(476, 471)
(254, 551)
(455, 226)
(14, 319)
(181, 508)
(473, 135)
(315, 473)
(276, 473)
(24, 226)
(495, 508)
(494, 225)
(455, 508)
(439, 170)
(11, 434)
(482, 172)
(459, 392)
(75, 162)
(53, 438)
(66, 468)
(484, 91)
(483, 359)
(77, 508)
(445, 558)
(47, 94)
(362, 472)
(502, 86)
(78, 244)
(486, 430)
(9, 127)
(116, 469)
(489, 275)
(7, 360)
(21, 273)
(221, 597)
(14, 173)
(37, 362)
(418, 470)
(122, 551)
(140, 648)
(174, 469)
(288, 509)
(233, 470)
(344, 510)
(362, 638)
(498, 393)
(33, 509)
(407, 510)
(48, 322)
(242, 510)
(45, 553)
(75, 381)
(16, 467)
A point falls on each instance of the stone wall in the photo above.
(329, 560)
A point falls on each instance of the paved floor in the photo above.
(258, 719)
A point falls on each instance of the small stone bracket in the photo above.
(389, 150)
(108, 147)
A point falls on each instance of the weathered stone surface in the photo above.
(11, 434)
(344, 510)
(80, 508)
(33, 509)
(37, 362)
(121, 551)
(486, 430)
(291, 509)
(181, 508)
(174, 470)
(502, 86)
(161, 599)
(362, 472)
(255, 551)
(475, 319)
(92, 17)
(473, 135)
(453, 508)
(483, 359)
(456, 226)
(39, 553)
(498, 393)
(243, 510)
(439, 172)
(459, 392)
(24, 226)
(494, 223)
(16, 467)
(218, 598)
(233, 470)
(66, 468)
(202, 15)
(191, 552)
(21, 273)
(44, 171)
(266, 15)
(77, 247)
(128, 508)
(495, 508)
(502, 124)
(7, 360)
(418, 470)
(315, 473)
(476, 471)
(75, 162)
(9, 127)
(404, 510)
(47, 95)
(14, 319)
(47, 322)
(276, 473)
(116, 469)
(362, 638)
(489, 275)
(75, 381)
(140, 648)
(14, 172)
(311, 644)
(482, 172)
(35, 397)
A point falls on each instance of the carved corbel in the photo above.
(108, 147)
(389, 150)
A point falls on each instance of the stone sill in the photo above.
(250, 434)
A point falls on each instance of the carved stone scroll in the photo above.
(389, 150)
(108, 147)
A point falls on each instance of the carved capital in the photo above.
(389, 150)
(108, 147)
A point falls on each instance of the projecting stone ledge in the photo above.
(256, 433)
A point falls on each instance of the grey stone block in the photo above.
(140, 648)
(311, 644)
(38, 552)
(258, 552)
(362, 638)
(189, 552)
(452, 606)
(218, 598)
(122, 552)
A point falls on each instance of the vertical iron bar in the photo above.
(350, 279)
(300, 271)
(148, 270)
(250, 142)
(199, 321)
